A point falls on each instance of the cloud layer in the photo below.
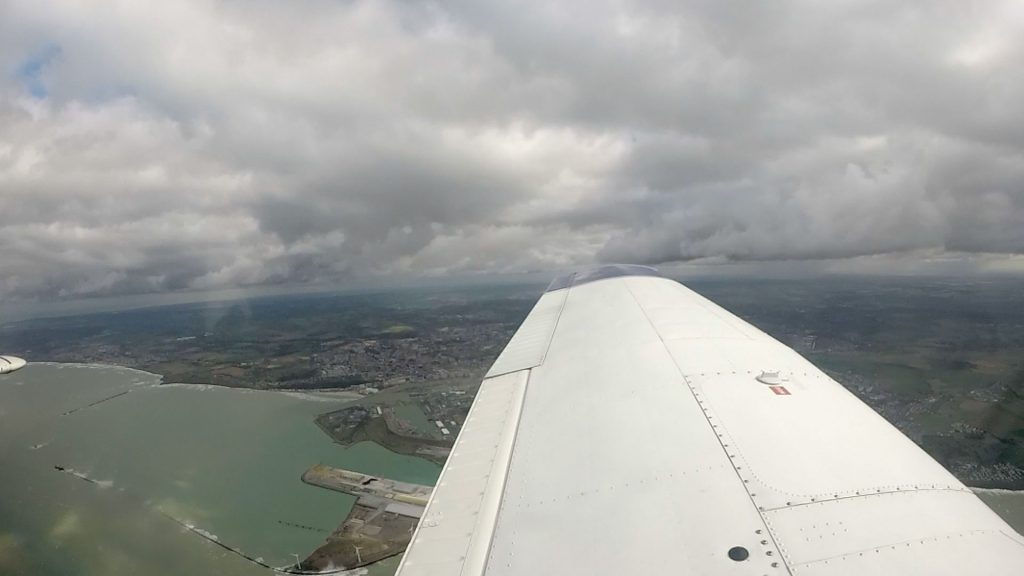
(199, 144)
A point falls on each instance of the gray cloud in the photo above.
(203, 144)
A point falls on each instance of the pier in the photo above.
(380, 524)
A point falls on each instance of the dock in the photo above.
(357, 484)
(380, 524)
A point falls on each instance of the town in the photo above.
(939, 359)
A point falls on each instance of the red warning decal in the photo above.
(780, 390)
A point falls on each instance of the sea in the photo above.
(106, 471)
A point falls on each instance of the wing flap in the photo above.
(530, 343)
(454, 535)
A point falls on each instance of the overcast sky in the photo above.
(196, 144)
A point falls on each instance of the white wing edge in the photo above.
(471, 485)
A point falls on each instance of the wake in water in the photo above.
(995, 491)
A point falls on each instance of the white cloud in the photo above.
(207, 144)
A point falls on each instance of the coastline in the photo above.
(318, 394)
(98, 366)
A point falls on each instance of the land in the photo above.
(301, 342)
(940, 358)
(419, 419)
(380, 524)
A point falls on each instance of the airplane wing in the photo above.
(632, 426)
(9, 364)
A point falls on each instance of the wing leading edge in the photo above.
(633, 425)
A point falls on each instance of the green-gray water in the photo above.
(227, 461)
(1007, 503)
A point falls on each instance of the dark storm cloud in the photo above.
(204, 144)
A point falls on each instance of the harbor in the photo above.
(380, 524)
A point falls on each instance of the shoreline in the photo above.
(294, 392)
(345, 395)
(95, 365)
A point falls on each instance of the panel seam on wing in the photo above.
(819, 496)
(907, 489)
(551, 336)
(488, 553)
(714, 430)
(715, 310)
(902, 545)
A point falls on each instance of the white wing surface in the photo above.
(632, 426)
(9, 364)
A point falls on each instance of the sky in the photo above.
(206, 145)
